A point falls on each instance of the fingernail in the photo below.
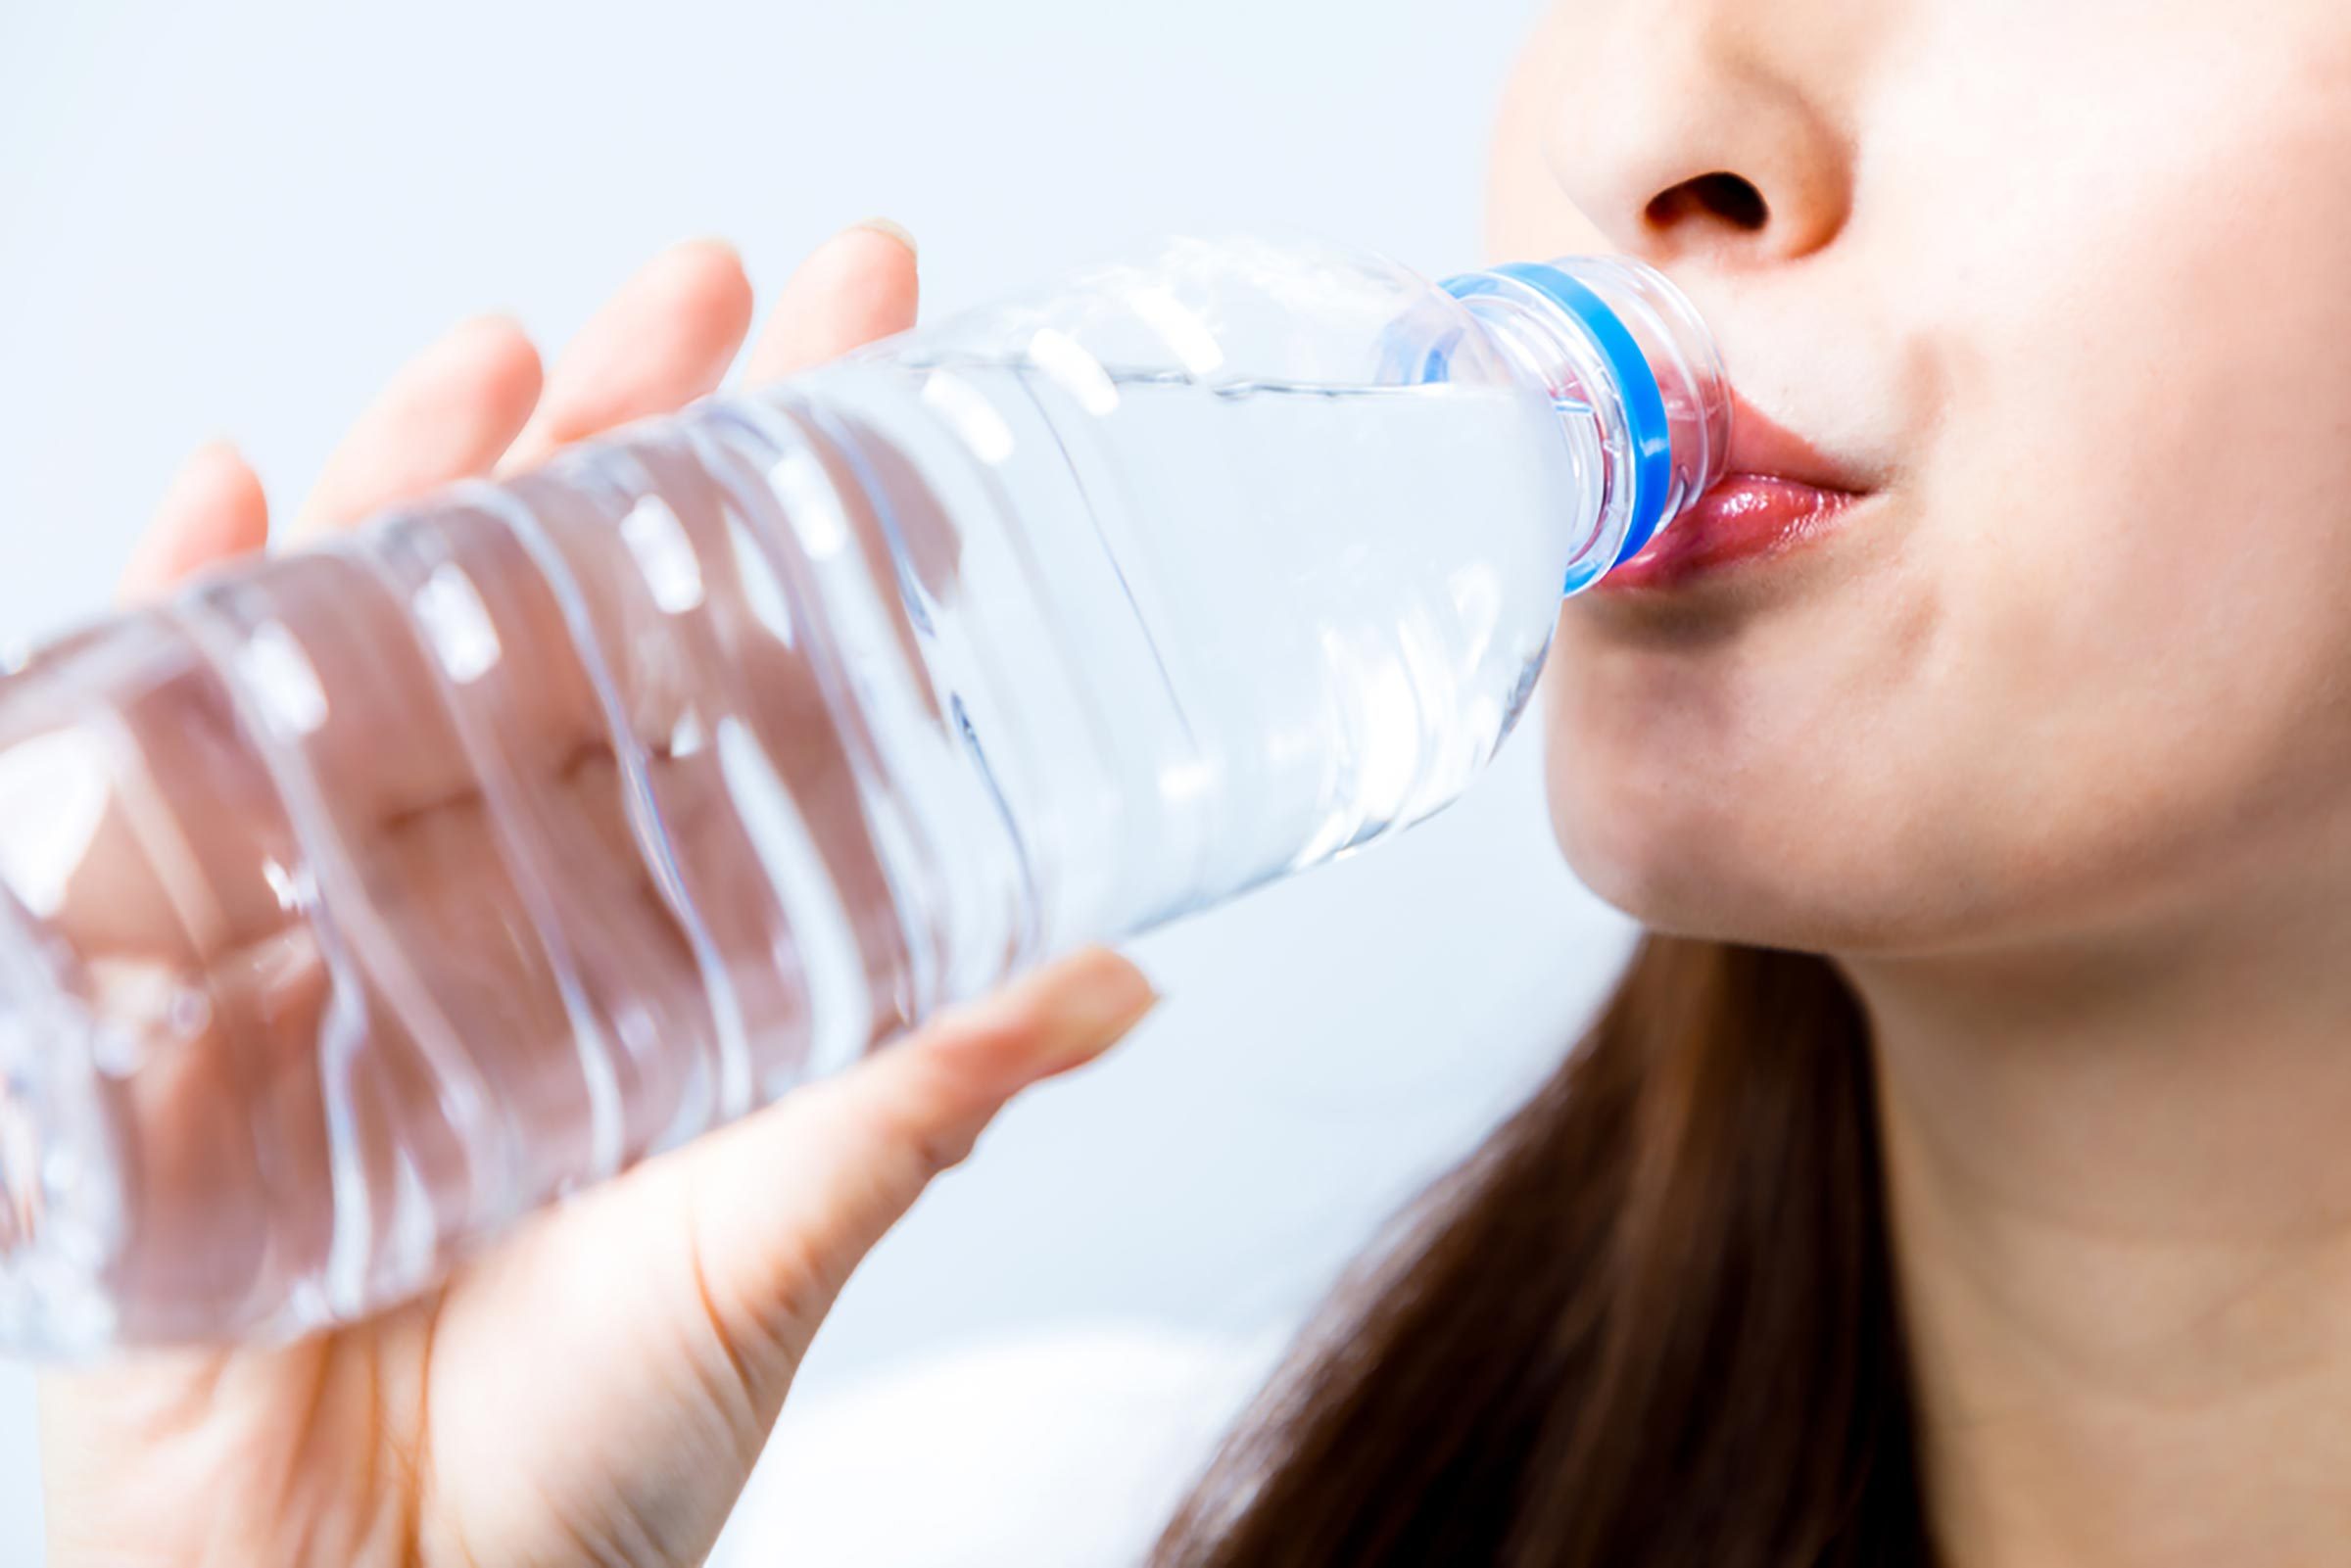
(202, 468)
(718, 244)
(895, 230)
(1088, 1003)
(705, 262)
(459, 349)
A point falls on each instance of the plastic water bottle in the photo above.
(360, 900)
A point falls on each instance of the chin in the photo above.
(1737, 781)
(1670, 888)
(1689, 862)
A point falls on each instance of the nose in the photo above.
(1696, 131)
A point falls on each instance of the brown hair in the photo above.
(1650, 1323)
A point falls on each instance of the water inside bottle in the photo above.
(402, 885)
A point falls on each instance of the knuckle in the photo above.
(926, 1138)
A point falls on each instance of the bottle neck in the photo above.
(1637, 383)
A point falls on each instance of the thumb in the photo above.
(630, 1350)
(786, 1204)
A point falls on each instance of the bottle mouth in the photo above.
(20, 1089)
(1636, 379)
(1683, 357)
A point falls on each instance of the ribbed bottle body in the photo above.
(356, 902)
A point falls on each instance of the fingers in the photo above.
(449, 414)
(667, 1312)
(786, 1204)
(214, 509)
(860, 285)
(476, 400)
(662, 341)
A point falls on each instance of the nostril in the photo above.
(1731, 198)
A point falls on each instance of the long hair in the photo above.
(1650, 1323)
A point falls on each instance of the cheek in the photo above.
(1527, 213)
(2138, 511)
(2098, 660)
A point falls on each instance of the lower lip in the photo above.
(1746, 518)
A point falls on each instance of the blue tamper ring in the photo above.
(1637, 386)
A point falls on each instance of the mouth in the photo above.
(1780, 496)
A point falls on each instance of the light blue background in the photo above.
(238, 218)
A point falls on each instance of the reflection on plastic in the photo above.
(357, 901)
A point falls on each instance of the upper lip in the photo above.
(1763, 447)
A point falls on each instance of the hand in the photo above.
(598, 1386)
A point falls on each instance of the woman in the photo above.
(1958, 1176)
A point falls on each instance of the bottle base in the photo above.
(51, 1203)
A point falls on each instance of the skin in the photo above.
(2050, 747)
(493, 1422)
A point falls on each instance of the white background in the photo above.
(238, 218)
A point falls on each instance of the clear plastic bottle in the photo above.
(357, 901)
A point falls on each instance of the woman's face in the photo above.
(2064, 287)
